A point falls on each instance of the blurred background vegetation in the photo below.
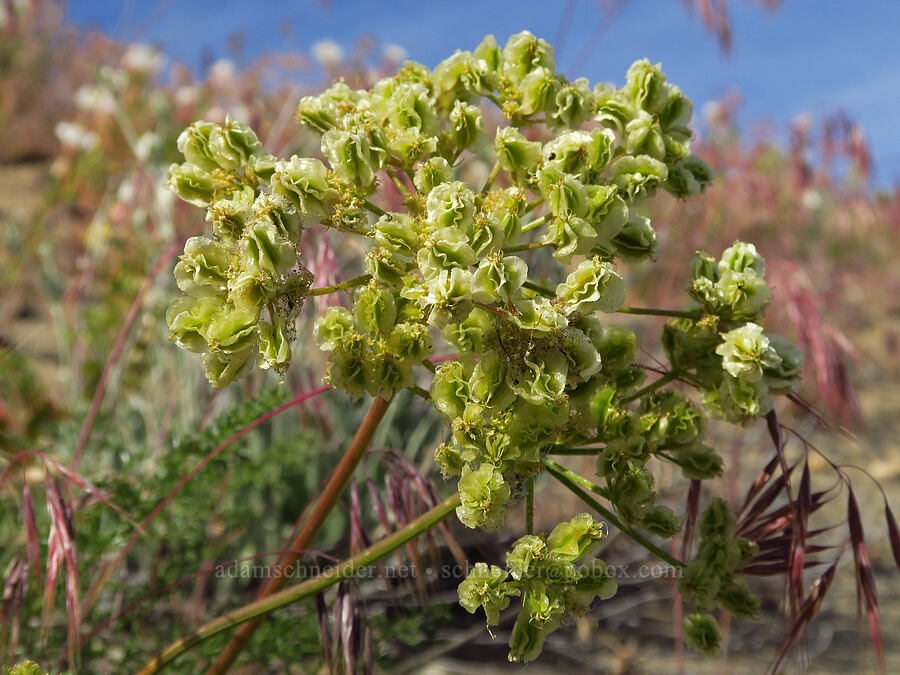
(97, 407)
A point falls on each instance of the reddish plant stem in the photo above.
(104, 576)
(323, 507)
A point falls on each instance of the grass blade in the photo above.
(893, 534)
(32, 546)
(865, 579)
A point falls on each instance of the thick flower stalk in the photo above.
(537, 367)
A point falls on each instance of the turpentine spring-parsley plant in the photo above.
(536, 367)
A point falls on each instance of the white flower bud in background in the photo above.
(327, 52)
(75, 136)
(713, 112)
(802, 123)
(811, 199)
(126, 191)
(187, 95)
(221, 73)
(142, 59)
(95, 99)
(145, 144)
(394, 53)
(114, 77)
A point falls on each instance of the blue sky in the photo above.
(814, 56)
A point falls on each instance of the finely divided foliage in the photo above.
(536, 367)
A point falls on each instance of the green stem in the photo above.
(343, 286)
(377, 210)
(529, 506)
(660, 312)
(576, 484)
(528, 120)
(418, 391)
(398, 183)
(492, 176)
(537, 288)
(537, 222)
(666, 455)
(687, 377)
(531, 206)
(577, 452)
(492, 309)
(525, 247)
(653, 386)
(267, 605)
(354, 230)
